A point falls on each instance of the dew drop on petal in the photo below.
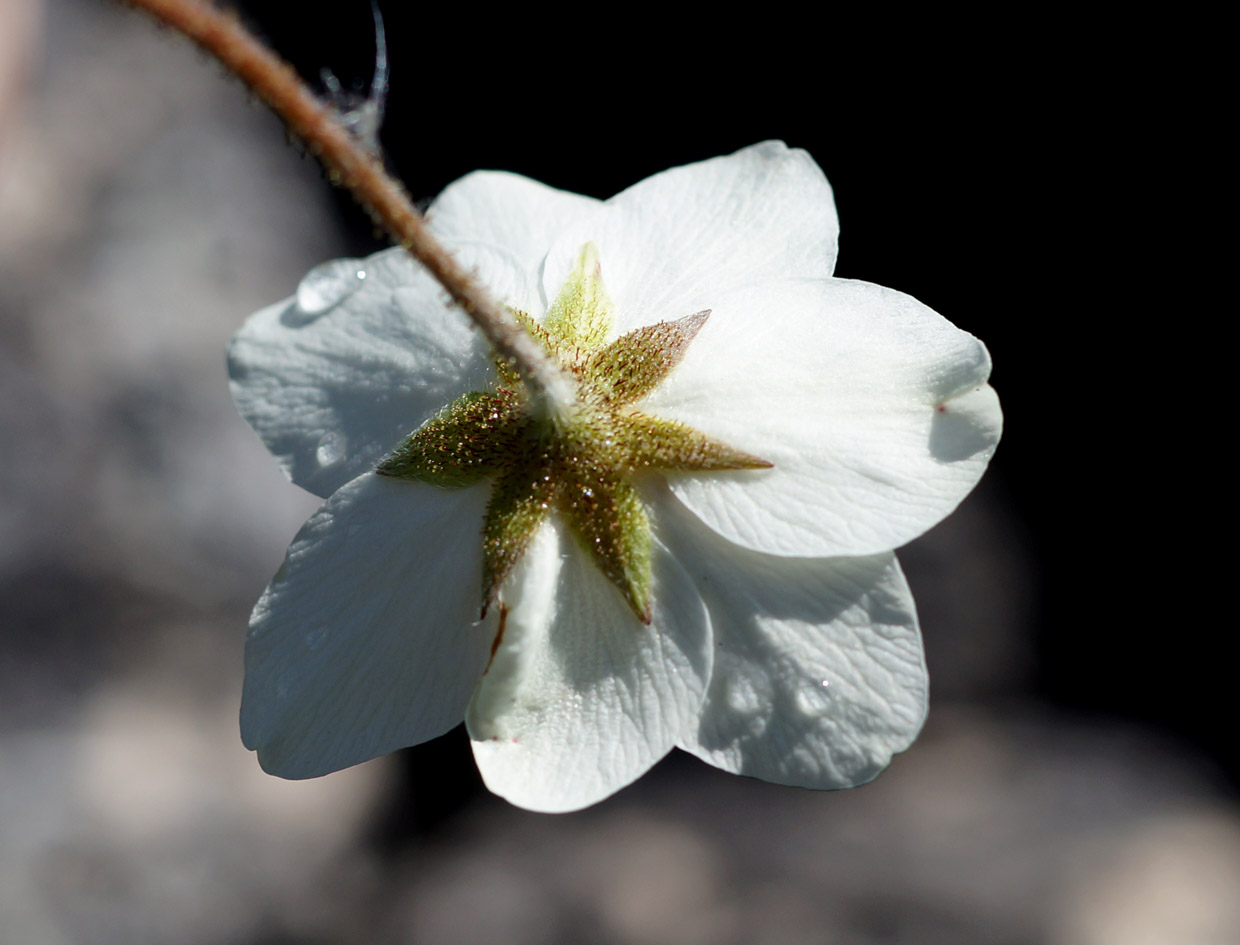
(748, 703)
(329, 284)
(330, 450)
(742, 696)
(812, 700)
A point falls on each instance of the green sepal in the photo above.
(472, 438)
(671, 446)
(580, 318)
(583, 462)
(605, 514)
(520, 502)
(633, 365)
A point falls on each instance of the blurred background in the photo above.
(1076, 782)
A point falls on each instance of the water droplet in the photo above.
(315, 638)
(329, 284)
(742, 696)
(330, 450)
(812, 700)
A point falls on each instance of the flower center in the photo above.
(581, 463)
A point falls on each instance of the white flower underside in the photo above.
(784, 643)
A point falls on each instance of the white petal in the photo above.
(873, 409)
(368, 640)
(819, 675)
(581, 698)
(672, 244)
(509, 211)
(331, 392)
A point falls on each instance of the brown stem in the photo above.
(352, 166)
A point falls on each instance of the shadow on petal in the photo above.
(966, 425)
(819, 675)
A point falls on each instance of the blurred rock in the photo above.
(147, 210)
(1174, 879)
(145, 820)
(1013, 830)
(144, 219)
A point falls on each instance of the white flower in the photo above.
(781, 640)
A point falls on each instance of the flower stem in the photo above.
(350, 165)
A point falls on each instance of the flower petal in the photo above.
(672, 244)
(873, 410)
(331, 392)
(581, 698)
(819, 675)
(509, 211)
(368, 639)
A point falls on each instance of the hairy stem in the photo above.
(352, 166)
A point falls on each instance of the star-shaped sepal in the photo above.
(586, 463)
